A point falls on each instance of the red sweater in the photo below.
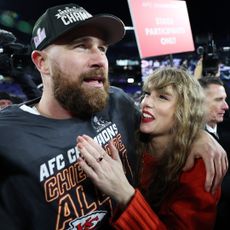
(190, 206)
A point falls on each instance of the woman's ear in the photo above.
(39, 59)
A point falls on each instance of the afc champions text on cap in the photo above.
(58, 20)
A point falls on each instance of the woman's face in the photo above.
(158, 109)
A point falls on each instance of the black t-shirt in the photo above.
(41, 183)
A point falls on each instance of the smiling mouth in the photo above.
(147, 117)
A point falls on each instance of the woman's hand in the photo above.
(214, 157)
(105, 171)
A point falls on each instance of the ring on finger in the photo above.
(100, 158)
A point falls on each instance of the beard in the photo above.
(81, 102)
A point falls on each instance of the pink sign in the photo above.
(161, 27)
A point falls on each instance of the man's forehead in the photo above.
(215, 87)
(215, 91)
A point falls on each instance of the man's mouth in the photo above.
(94, 81)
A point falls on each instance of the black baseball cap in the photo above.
(58, 20)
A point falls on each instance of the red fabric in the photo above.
(189, 208)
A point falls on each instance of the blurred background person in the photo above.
(5, 100)
(209, 65)
(16, 66)
(216, 106)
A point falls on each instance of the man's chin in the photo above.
(90, 103)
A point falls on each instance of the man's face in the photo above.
(4, 103)
(215, 97)
(79, 69)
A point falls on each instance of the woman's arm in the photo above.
(138, 215)
(105, 171)
(108, 175)
(191, 206)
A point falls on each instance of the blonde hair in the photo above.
(189, 117)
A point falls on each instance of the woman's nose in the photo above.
(147, 102)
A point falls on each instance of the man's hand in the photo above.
(214, 157)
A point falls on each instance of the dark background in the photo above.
(205, 16)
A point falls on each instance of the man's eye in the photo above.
(79, 46)
(103, 49)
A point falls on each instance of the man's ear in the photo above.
(39, 59)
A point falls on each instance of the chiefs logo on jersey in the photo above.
(89, 221)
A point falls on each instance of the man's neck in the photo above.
(52, 109)
(212, 129)
(212, 125)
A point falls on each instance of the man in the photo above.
(210, 65)
(5, 100)
(215, 101)
(42, 185)
(216, 106)
(15, 64)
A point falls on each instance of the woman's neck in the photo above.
(160, 144)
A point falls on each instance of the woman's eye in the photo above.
(145, 93)
(163, 97)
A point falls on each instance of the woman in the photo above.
(172, 115)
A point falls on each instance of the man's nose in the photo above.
(98, 58)
(226, 107)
